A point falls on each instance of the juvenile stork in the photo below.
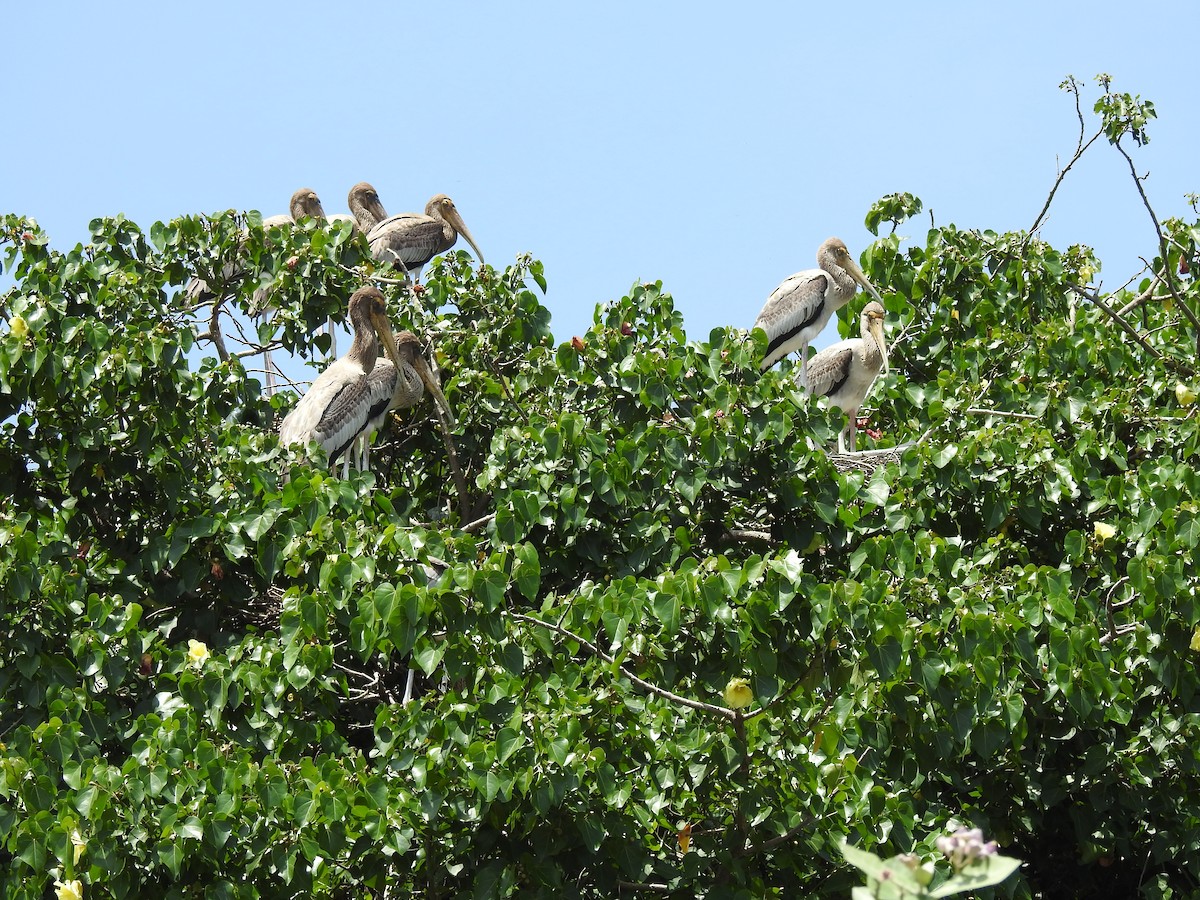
(389, 387)
(303, 203)
(336, 408)
(843, 372)
(798, 310)
(408, 240)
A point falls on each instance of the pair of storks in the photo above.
(351, 399)
(798, 310)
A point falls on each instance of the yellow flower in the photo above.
(197, 653)
(69, 890)
(1104, 531)
(1195, 645)
(1184, 394)
(738, 694)
(19, 327)
(78, 843)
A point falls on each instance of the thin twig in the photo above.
(975, 411)
(479, 524)
(1169, 361)
(709, 708)
(1141, 298)
(1168, 276)
(1080, 149)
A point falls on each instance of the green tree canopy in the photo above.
(991, 617)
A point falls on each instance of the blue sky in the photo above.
(710, 146)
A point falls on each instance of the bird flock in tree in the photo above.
(353, 397)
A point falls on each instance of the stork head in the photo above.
(872, 328)
(834, 251)
(368, 312)
(412, 353)
(305, 202)
(442, 207)
(365, 206)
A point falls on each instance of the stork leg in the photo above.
(852, 430)
(408, 686)
(364, 451)
(804, 366)
(268, 363)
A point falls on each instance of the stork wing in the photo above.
(412, 238)
(353, 407)
(829, 370)
(796, 304)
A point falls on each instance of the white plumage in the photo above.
(798, 310)
(843, 373)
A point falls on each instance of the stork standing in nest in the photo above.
(843, 372)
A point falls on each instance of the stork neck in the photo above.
(365, 347)
(366, 214)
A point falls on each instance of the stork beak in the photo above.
(432, 385)
(857, 274)
(383, 330)
(877, 333)
(461, 227)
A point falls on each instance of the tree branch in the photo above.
(1169, 361)
(719, 711)
(1080, 149)
(1168, 276)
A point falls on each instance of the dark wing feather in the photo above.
(796, 304)
(351, 410)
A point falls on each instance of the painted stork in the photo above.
(303, 203)
(390, 387)
(798, 310)
(408, 240)
(843, 372)
(336, 408)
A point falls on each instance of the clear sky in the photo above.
(712, 146)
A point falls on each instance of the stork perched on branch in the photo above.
(798, 310)
(408, 240)
(337, 409)
(304, 204)
(843, 372)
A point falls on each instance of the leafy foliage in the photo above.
(945, 636)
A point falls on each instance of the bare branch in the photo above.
(747, 535)
(1169, 361)
(1080, 148)
(1168, 276)
(720, 711)
(479, 524)
(976, 411)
